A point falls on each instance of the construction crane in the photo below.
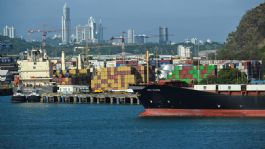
(87, 48)
(44, 34)
(122, 38)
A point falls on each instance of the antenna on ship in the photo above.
(147, 66)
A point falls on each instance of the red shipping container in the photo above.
(185, 68)
(165, 61)
(183, 72)
(104, 81)
(182, 76)
(189, 76)
(204, 71)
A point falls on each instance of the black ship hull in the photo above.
(163, 100)
(33, 98)
(19, 99)
(6, 91)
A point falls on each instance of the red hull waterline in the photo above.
(201, 113)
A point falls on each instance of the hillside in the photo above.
(248, 41)
(15, 45)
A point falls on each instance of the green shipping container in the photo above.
(201, 67)
(178, 67)
(211, 67)
(175, 72)
(191, 72)
(169, 77)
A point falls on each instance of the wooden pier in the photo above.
(100, 98)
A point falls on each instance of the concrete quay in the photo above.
(99, 98)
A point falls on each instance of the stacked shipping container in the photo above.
(189, 73)
(252, 68)
(72, 77)
(113, 78)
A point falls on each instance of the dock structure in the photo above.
(99, 98)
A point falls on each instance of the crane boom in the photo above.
(44, 34)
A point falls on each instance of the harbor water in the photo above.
(51, 125)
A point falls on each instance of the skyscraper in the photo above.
(163, 35)
(9, 31)
(92, 29)
(140, 39)
(90, 32)
(131, 36)
(66, 25)
(82, 33)
(100, 32)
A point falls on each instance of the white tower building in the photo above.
(63, 60)
(66, 25)
(131, 36)
(184, 52)
(92, 29)
(9, 31)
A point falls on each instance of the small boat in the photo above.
(34, 96)
(18, 96)
(6, 91)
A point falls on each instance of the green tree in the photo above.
(248, 39)
(227, 76)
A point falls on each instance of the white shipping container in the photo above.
(205, 87)
(141, 62)
(58, 66)
(101, 64)
(111, 64)
(93, 62)
(229, 87)
(256, 87)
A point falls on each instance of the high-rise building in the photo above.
(194, 40)
(163, 35)
(82, 33)
(92, 29)
(9, 31)
(66, 25)
(184, 52)
(100, 32)
(131, 36)
(89, 33)
(140, 39)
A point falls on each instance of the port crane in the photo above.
(122, 38)
(87, 48)
(44, 34)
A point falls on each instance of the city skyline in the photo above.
(207, 20)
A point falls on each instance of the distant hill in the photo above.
(248, 41)
(15, 45)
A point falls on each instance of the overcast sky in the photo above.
(212, 19)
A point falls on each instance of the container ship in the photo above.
(222, 100)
